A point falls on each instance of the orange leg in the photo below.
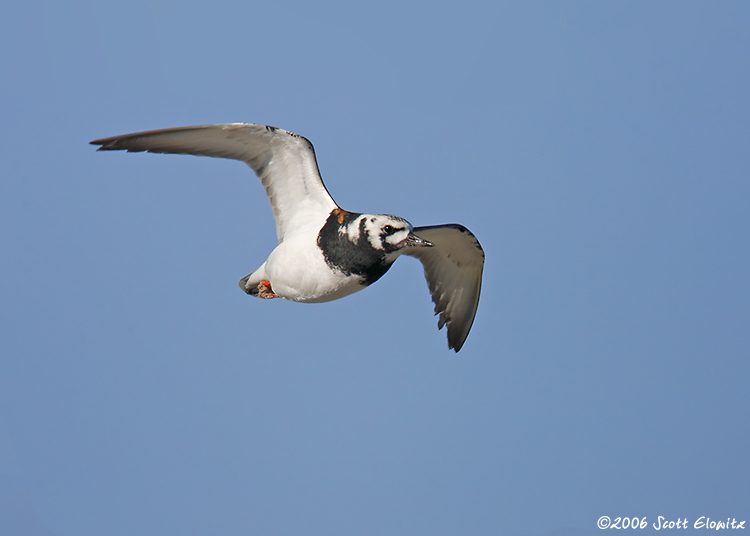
(265, 291)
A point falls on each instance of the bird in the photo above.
(324, 252)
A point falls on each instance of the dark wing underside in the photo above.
(453, 269)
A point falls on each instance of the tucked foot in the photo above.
(265, 291)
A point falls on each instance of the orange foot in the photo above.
(265, 291)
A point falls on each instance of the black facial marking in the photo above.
(352, 258)
(388, 230)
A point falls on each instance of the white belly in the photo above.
(300, 273)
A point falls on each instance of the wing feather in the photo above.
(453, 269)
(284, 162)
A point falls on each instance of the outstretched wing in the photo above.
(284, 162)
(453, 269)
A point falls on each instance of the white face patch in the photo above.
(383, 228)
(398, 236)
(352, 230)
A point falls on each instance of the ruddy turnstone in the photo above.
(325, 252)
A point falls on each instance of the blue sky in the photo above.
(598, 150)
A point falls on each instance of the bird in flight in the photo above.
(324, 252)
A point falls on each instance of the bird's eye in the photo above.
(389, 229)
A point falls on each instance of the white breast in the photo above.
(298, 271)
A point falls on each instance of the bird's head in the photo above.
(385, 232)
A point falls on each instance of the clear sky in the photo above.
(598, 150)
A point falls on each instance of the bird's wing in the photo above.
(284, 162)
(453, 269)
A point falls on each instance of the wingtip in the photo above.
(100, 142)
(108, 145)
